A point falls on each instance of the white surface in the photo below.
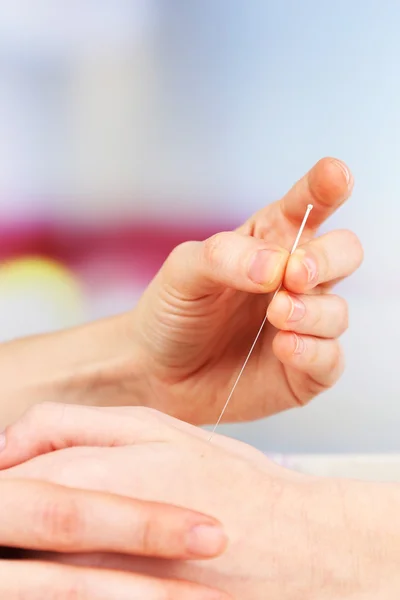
(362, 467)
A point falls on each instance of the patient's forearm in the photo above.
(92, 364)
(341, 543)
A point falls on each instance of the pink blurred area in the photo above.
(99, 154)
(129, 126)
(120, 251)
(110, 261)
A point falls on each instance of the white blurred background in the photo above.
(127, 126)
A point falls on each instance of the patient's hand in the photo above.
(47, 517)
(291, 537)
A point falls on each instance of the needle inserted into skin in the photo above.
(296, 242)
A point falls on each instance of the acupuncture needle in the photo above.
(296, 242)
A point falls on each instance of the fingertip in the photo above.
(298, 275)
(279, 310)
(206, 541)
(344, 173)
(204, 536)
(330, 180)
(284, 345)
(354, 245)
(322, 359)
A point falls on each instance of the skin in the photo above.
(199, 316)
(185, 340)
(291, 536)
(51, 518)
(181, 348)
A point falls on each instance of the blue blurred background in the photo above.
(127, 126)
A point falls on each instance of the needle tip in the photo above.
(310, 206)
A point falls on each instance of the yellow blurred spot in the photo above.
(39, 294)
(32, 269)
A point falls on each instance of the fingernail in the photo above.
(206, 540)
(311, 267)
(344, 170)
(3, 440)
(263, 269)
(299, 344)
(297, 311)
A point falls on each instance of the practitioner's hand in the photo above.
(182, 347)
(290, 536)
(43, 516)
(196, 321)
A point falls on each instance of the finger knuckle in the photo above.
(156, 425)
(213, 249)
(301, 400)
(59, 521)
(145, 414)
(145, 536)
(356, 247)
(180, 251)
(41, 412)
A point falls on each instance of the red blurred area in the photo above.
(143, 246)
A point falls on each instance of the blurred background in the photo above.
(128, 126)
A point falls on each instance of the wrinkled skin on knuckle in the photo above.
(212, 250)
(59, 523)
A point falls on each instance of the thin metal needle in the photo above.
(299, 234)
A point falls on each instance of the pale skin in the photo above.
(290, 536)
(47, 517)
(181, 348)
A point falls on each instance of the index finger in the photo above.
(326, 186)
(50, 517)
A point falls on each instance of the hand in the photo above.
(182, 347)
(291, 536)
(47, 517)
(196, 321)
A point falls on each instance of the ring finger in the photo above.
(319, 359)
(324, 316)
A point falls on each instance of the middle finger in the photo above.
(323, 260)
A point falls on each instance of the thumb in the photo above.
(227, 259)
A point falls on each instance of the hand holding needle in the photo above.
(296, 242)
